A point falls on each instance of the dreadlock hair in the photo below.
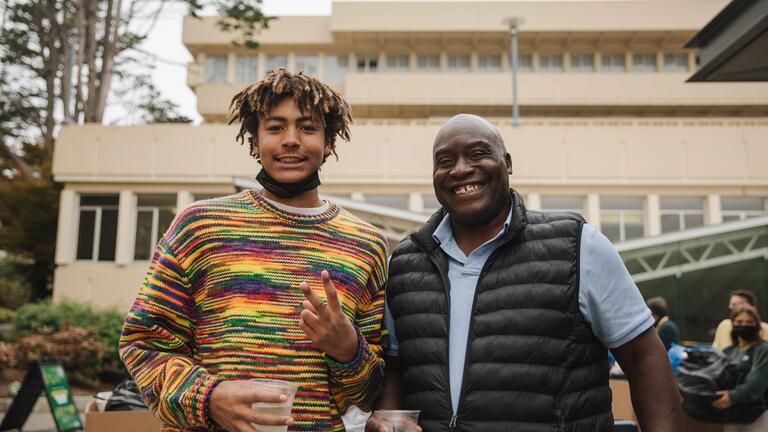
(256, 101)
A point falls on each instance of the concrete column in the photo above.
(598, 61)
(691, 61)
(627, 61)
(261, 64)
(126, 228)
(352, 63)
(505, 62)
(566, 62)
(291, 62)
(592, 209)
(443, 61)
(415, 202)
(321, 66)
(713, 213)
(66, 236)
(412, 61)
(533, 201)
(231, 66)
(473, 62)
(183, 199)
(535, 61)
(652, 215)
(659, 61)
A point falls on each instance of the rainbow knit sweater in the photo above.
(222, 300)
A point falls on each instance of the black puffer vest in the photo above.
(533, 363)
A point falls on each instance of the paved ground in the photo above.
(41, 420)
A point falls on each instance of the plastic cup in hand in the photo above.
(278, 409)
(398, 420)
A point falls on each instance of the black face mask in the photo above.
(287, 190)
(748, 333)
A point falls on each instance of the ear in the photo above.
(254, 147)
(327, 149)
(508, 161)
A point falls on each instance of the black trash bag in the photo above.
(700, 374)
(126, 397)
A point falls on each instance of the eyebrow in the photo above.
(284, 120)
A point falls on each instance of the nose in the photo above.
(291, 137)
(461, 168)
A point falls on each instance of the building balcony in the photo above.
(396, 95)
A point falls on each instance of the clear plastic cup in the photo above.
(278, 409)
(398, 420)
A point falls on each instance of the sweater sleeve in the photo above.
(156, 345)
(756, 382)
(359, 381)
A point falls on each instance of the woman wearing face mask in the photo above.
(752, 353)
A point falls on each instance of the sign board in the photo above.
(44, 375)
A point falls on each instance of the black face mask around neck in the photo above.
(287, 190)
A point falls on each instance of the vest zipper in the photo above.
(452, 423)
(562, 424)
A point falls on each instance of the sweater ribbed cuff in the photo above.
(355, 363)
(198, 396)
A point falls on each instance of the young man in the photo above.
(723, 332)
(235, 289)
(500, 316)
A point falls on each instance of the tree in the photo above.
(59, 60)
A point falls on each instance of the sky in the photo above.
(164, 42)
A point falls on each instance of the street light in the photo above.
(513, 23)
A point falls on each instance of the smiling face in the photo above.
(471, 170)
(290, 144)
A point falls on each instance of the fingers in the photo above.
(314, 300)
(256, 395)
(330, 292)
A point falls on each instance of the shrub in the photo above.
(46, 318)
(79, 350)
(7, 356)
(13, 292)
(6, 315)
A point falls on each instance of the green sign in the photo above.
(44, 375)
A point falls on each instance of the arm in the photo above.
(755, 383)
(156, 345)
(655, 397)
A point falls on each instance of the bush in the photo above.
(6, 315)
(7, 356)
(13, 292)
(45, 318)
(79, 350)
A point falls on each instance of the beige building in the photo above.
(609, 129)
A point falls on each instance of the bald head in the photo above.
(470, 124)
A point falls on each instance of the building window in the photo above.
(394, 201)
(676, 62)
(308, 63)
(215, 69)
(621, 218)
(154, 214)
(489, 63)
(398, 63)
(524, 62)
(738, 208)
(97, 230)
(458, 62)
(335, 69)
(582, 62)
(550, 62)
(246, 69)
(367, 63)
(276, 61)
(644, 62)
(612, 62)
(681, 213)
(427, 62)
(563, 204)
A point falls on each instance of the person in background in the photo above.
(665, 327)
(751, 352)
(723, 332)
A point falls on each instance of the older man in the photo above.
(499, 317)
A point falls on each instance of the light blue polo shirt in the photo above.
(608, 298)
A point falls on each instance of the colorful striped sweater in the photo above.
(222, 300)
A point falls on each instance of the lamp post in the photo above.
(513, 23)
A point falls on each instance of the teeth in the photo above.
(467, 189)
(290, 160)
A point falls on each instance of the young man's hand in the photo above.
(229, 405)
(325, 323)
(375, 424)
